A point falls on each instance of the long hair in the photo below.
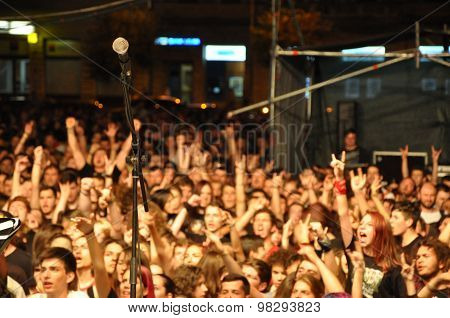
(287, 286)
(383, 245)
(212, 266)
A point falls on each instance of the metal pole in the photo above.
(273, 62)
(440, 61)
(417, 45)
(321, 84)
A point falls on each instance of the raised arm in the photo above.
(121, 159)
(111, 132)
(375, 194)
(277, 181)
(102, 281)
(240, 187)
(20, 166)
(80, 160)
(231, 143)
(179, 221)
(408, 276)
(405, 170)
(230, 263)
(357, 259)
(26, 134)
(341, 198)
(331, 282)
(433, 284)
(435, 155)
(36, 178)
(62, 203)
(242, 221)
(358, 186)
(81, 137)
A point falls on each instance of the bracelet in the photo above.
(340, 188)
(90, 233)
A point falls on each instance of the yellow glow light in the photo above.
(203, 106)
(32, 38)
(265, 110)
(177, 101)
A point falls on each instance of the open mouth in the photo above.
(362, 237)
(47, 285)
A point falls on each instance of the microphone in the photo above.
(120, 46)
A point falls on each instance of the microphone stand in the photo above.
(136, 159)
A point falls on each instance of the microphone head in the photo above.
(120, 46)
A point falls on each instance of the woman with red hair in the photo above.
(382, 272)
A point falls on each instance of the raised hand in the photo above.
(215, 239)
(277, 180)
(358, 182)
(194, 200)
(338, 166)
(71, 122)
(407, 269)
(404, 151)
(357, 259)
(256, 204)
(240, 164)
(111, 131)
(84, 225)
(79, 130)
(22, 164)
(435, 154)
(376, 185)
(137, 124)
(301, 230)
(38, 153)
(29, 127)
(308, 251)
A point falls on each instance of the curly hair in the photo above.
(185, 279)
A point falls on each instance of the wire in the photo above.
(60, 14)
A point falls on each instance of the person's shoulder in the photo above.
(77, 294)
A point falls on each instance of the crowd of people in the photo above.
(224, 221)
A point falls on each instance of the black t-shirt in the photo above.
(376, 282)
(356, 156)
(22, 260)
(410, 250)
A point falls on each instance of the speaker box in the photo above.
(390, 163)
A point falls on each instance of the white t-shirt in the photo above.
(71, 294)
(431, 217)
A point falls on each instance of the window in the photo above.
(14, 76)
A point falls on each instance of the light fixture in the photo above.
(265, 110)
(203, 106)
(20, 28)
(32, 38)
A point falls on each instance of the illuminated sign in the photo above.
(229, 53)
(166, 41)
(16, 27)
(372, 54)
(431, 49)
